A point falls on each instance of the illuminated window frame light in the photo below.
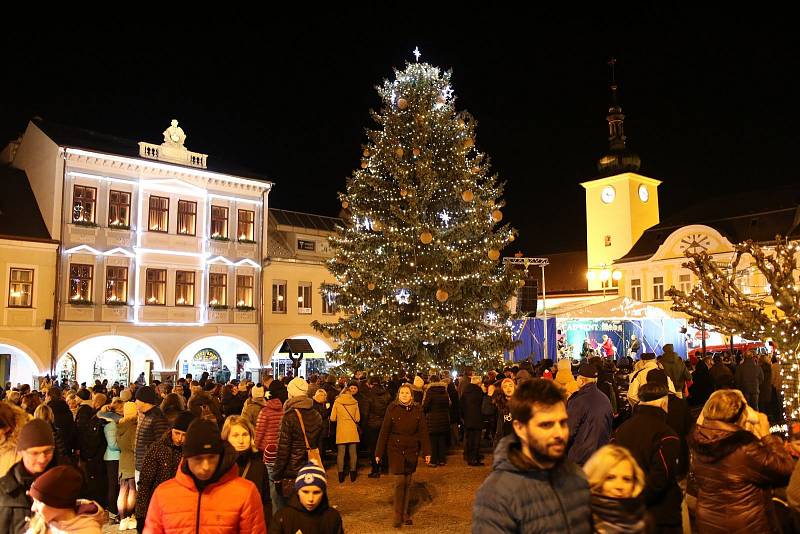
(247, 261)
(235, 199)
(102, 178)
(119, 250)
(219, 259)
(79, 248)
(172, 168)
(141, 250)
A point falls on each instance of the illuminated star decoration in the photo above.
(403, 296)
(445, 217)
(417, 53)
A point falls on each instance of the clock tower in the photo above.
(620, 204)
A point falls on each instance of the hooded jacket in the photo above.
(291, 455)
(267, 427)
(379, 399)
(675, 367)
(520, 496)
(126, 441)
(749, 377)
(346, 414)
(90, 519)
(437, 408)
(227, 504)
(564, 377)
(403, 433)
(252, 407)
(590, 422)
(295, 518)
(611, 515)
(735, 473)
(15, 505)
(160, 464)
(149, 430)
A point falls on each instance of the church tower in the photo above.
(620, 204)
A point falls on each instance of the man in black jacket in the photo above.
(377, 402)
(37, 448)
(656, 448)
(152, 426)
(64, 421)
(471, 414)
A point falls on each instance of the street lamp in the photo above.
(604, 273)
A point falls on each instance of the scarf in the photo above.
(613, 515)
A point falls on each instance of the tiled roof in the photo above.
(19, 212)
(305, 220)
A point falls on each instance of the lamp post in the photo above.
(604, 273)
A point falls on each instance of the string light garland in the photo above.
(434, 251)
(723, 299)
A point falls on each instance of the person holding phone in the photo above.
(737, 463)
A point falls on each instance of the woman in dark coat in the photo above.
(765, 388)
(437, 410)
(403, 433)
(455, 412)
(238, 431)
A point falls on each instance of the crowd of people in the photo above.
(653, 445)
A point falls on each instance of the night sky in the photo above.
(711, 100)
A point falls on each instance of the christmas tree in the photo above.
(756, 296)
(417, 266)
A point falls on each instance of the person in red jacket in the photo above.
(207, 491)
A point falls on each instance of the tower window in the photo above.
(608, 240)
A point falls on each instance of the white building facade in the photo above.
(159, 268)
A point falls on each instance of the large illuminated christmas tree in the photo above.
(417, 266)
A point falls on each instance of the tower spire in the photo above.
(619, 158)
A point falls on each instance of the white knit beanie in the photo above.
(297, 387)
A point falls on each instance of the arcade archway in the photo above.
(115, 358)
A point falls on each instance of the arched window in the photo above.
(205, 360)
(114, 365)
(67, 368)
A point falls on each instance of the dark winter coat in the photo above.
(437, 408)
(722, 376)
(520, 496)
(15, 505)
(656, 448)
(379, 400)
(590, 422)
(160, 464)
(471, 402)
(257, 474)
(765, 388)
(675, 368)
(64, 423)
(91, 440)
(610, 514)
(150, 429)
(325, 414)
(232, 403)
(294, 518)
(735, 473)
(749, 377)
(680, 421)
(403, 434)
(455, 403)
(291, 455)
(702, 385)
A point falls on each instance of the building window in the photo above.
(119, 209)
(304, 298)
(158, 220)
(116, 285)
(156, 287)
(187, 217)
(217, 289)
(219, 222)
(246, 225)
(184, 288)
(685, 283)
(329, 302)
(636, 289)
(658, 288)
(80, 282)
(279, 296)
(303, 244)
(244, 291)
(608, 240)
(84, 201)
(20, 288)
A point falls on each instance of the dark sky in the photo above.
(711, 99)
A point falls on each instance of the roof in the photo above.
(73, 137)
(19, 212)
(296, 346)
(305, 220)
(756, 215)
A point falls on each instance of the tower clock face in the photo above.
(608, 194)
(694, 243)
(644, 194)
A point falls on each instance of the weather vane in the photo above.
(417, 53)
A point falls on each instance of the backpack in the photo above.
(93, 439)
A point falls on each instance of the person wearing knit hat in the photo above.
(590, 416)
(277, 390)
(37, 449)
(308, 510)
(297, 387)
(254, 403)
(209, 471)
(152, 426)
(56, 505)
(643, 368)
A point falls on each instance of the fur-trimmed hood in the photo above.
(714, 440)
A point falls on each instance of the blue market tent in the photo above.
(530, 333)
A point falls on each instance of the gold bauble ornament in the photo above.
(355, 334)
(442, 295)
(399, 152)
(461, 123)
(415, 151)
(475, 169)
(467, 196)
(371, 286)
(497, 215)
(364, 164)
(345, 204)
(377, 226)
(366, 152)
(491, 203)
(511, 237)
(469, 142)
(402, 103)
(426, 237)
(403, 192)
(521, 282)
(493, 254)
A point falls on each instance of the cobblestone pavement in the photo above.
(441, 500)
